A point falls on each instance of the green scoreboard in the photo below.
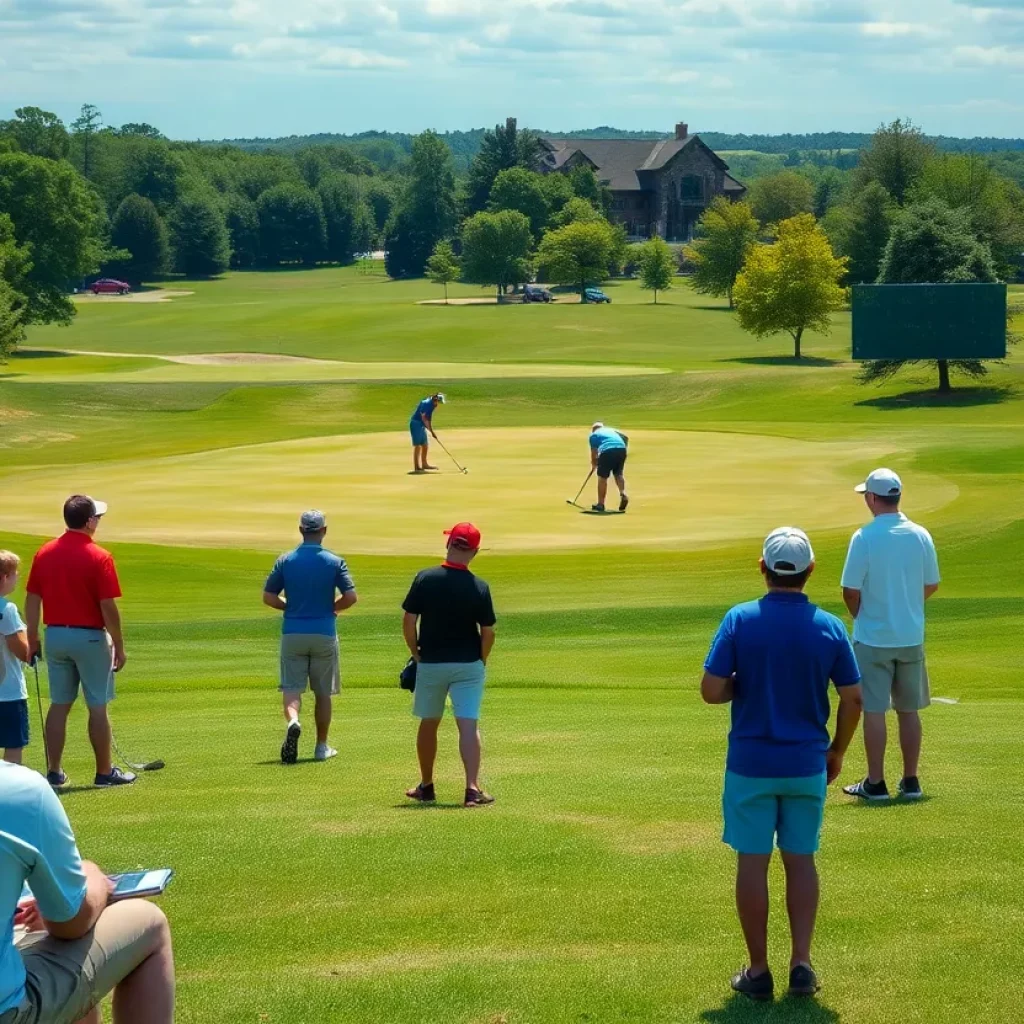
(929, 321)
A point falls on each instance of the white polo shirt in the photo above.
(890, 561)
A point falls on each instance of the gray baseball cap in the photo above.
(883, 482)
(311, 521)
(787, 551)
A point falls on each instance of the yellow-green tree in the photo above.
(729, 231)
(792, 285)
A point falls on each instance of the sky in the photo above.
(243, 68)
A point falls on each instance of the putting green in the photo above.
(689, 489)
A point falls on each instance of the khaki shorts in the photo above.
(79, 657)
(895, 677)
(67, 979)
(310, 658)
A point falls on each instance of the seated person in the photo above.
(64, 950)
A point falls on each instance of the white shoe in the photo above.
(323, 752)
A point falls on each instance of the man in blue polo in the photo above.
(419, 426)
(608, 456)
(317, 588)
(773, 659)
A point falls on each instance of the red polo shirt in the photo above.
(72, 575)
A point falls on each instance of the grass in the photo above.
(596, 890)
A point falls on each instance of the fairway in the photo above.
(597, 889)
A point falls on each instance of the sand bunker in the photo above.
(156, 295)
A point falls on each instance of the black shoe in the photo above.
(58, 780)
(867, 790)
(290, 747)
(424, 794)
(910, 788)
(623, 503)
(115, 778)
(597, 508)
(761, 988)
(803, 981)
(477, 798)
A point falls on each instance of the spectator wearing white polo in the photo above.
(891, 570)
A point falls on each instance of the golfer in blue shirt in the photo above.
(419, 426)
(773, 659)
(608, 456)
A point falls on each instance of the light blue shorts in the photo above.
(759, 811)
(419, 433)
(79, 657)
(463, 681)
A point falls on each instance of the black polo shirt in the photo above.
(452, 604)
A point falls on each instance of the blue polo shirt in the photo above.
(309, 577)
(783, 651)
(425, 408)
(604, 439)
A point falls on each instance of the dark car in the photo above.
(110, 286)
(535, 293)
(594, 295)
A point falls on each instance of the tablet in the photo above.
(136, 884)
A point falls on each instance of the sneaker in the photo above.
(868, 790)
(58, 780)
(323, 752)
(623, 503)
(424, 794)
(115, 778)
(597, 508)
(477, 798)
(290, 747)
(760, 988)
(803, 981)
(910, 788)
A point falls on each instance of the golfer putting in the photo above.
(420, 426)
(608, 449)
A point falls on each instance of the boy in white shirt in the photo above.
(13, 653)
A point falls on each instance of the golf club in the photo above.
(42, 722)
(572, 501)
(141, 766)
(462, 469)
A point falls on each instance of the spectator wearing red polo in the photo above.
(73, 587)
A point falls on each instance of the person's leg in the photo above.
(875, 738)
(13, 754)
(911, 734)
(292, 704)
(470, 750)
(146, 996)
(910, 693)
(752, 907)
(602, 489)
(99, 737)
(801, 904)
(426, 749)
(426, 456)
(323, 717)
(94, 1016)
(56, 732)
(419, 453)
(620, 482)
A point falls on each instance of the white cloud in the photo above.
(991, 56)
(894, 29)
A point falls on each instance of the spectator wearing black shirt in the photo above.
(455, 616)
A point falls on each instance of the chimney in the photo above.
(682, 129)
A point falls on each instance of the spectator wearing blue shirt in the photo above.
(317, 588)
(419, 426)
(63, 948)
(773, 659)
(608, 449)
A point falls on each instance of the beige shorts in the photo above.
(310, 659)
(893, 677)
(65, 980)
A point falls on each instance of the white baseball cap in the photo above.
(787, 551)
(440, 396)
(99, 506)
(883, 482)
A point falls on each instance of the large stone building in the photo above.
(658, 187)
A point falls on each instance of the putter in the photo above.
(142, 766)
(572, 501)
(461, 469)
(42, 722)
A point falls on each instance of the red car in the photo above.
(110, 286)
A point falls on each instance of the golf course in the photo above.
(597, 889)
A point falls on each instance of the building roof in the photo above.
(732, 185)
(620, 162)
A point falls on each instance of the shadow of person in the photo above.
(739, 1009)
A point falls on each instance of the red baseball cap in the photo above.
(464, 535)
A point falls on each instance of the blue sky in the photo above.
(216, 68)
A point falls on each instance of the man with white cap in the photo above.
(773, 659)
(608, 450)
(420, 424)
(891, 570)
(317, 588)
(73, 588)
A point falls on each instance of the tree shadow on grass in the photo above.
(958, 398)
(714, 309)
(784, 361)
(37, 353)
(739, 1009)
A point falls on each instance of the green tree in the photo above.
(151, 169)
(199, 237)
(443, 266)
(577, 211)
(827, 191)
(522, 190)
(138, 228)
(243, 223)
(38, 133)
(867, 231)
(932, 244)
(657, 265)
(578, 254)
(728, 233)
(379, 194)
(344, 215)
(292, 226)
(501, 149)
(896, 158)
(427, 212)
(793, 285)
(84, 130)
(57, 220)
(557, 191)
(12, 329)
(586, 186)
(14, 267)
(496, 249)
(781, 196)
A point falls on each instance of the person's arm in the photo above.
(486, 642)
(17, 644)
(97, 895)
(851, 598)
(272, 600)
(428, 424)
(345, 588)
(855, 574)
(717, 689)
(112, 620)
(344, 601)
(273, 588)
(33, 614)
(593, 457)
(851, 703)
(929, 589)
(412, 640)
